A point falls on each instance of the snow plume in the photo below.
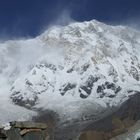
(62, 19)
(133, 23)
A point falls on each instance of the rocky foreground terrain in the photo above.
(79, 75)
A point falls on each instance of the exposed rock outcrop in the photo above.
(117, 123)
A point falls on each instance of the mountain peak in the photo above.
(81, 63)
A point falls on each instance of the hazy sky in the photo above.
(22, 18)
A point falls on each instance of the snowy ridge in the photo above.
(81, 62)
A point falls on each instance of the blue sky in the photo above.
(23, 18)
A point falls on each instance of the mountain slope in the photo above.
(87, 60)
(72, 67)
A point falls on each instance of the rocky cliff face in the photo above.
(81, 71)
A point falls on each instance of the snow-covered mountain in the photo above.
(70, 68)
